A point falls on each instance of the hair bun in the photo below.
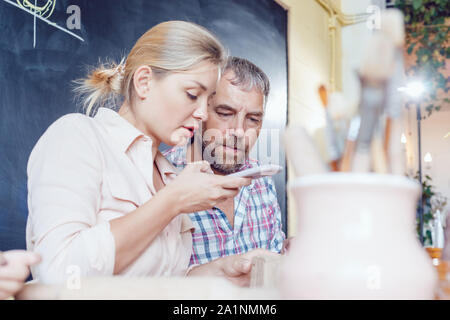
(107, 78)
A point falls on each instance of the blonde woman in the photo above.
(102, 199)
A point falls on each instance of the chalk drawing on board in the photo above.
(42, 13)
(45, 11)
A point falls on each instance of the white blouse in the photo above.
(82, 173)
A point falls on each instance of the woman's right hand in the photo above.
(197, 188)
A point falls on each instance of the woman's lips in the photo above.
(191, 131)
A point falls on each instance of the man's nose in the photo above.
(238, 132)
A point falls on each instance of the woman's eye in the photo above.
(191, 96)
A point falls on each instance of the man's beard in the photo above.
(223, 163)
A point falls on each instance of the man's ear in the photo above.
(142, 81)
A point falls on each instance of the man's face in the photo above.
(234, 122)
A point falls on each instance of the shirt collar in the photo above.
(123, 132)
(164, 166)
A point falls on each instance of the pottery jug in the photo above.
(356, 239)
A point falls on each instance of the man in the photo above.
(252, 219)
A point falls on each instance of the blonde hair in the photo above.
(167, 47)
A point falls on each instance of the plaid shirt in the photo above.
(257, 219)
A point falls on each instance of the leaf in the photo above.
(411, 48)
(433, 11)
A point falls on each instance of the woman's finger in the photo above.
(228, 193)
(10, 287)
(21, 257)
(4, 295)
(200, 166)
(14, 272)
(234, 182)
(205, 167)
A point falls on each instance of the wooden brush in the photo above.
(349, 149)
(330, 133)
(374, 74)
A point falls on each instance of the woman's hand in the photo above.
(196, 188)
(236, 268)
(14, 270)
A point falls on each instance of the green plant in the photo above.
(427, 193)
(427, 36)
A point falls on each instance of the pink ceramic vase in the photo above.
(356, 239)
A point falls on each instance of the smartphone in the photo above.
(258, 172)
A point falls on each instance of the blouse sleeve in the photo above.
(64, 194)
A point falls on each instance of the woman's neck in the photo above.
(126, 113)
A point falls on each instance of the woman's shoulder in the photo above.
(74, 129)
(72, 126)
(71, 120)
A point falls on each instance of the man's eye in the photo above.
(255, 120)
(224, 114)
(191, 96)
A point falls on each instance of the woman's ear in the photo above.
(142, 80)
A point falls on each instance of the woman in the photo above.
(102, 199)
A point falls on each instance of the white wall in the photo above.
(433, 130)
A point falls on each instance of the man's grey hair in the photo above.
(248, 76)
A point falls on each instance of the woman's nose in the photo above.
(201, 113)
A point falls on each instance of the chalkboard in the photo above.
(42, 49)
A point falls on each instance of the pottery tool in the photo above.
(331, 142)
(302, 153)
(349, 149)
(341, 112)
(374, 74)
(378, 154)
(392, 25)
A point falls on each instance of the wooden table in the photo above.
(262, 287)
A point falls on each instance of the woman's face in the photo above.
(170, 109)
